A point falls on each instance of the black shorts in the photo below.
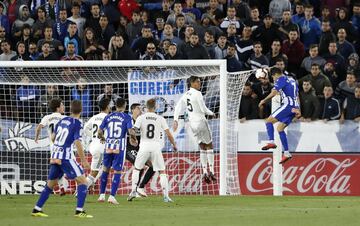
(131, 155)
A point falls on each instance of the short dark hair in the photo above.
(315, 64)
(307, 80)
(308, 6)
(104, 103)
(134, 105)
(120, 102)
(76, 107)
(151, 103)
(193, 79)
(275, 71)
(54, 104)
(257, 43)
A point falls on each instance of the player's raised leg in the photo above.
(270, 131)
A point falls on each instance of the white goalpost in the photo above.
(26, 88)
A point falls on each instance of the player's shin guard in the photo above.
(134, 179)
(270, 131)
(203, 161)
(164, 183)
(43, 197)
(115, 183)
(81, 196)
(148, 175)
(210, 158)
(103, 182)
(284, 141)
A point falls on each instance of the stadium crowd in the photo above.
(315, 41)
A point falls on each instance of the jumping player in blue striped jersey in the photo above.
(113, 132)
(289, 92)
(67, 132)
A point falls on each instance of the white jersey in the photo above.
(151, 127)
(92, 125)
(50, 122)
(195, 105)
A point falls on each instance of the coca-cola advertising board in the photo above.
(304, 174)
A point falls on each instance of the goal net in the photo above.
(27, 87)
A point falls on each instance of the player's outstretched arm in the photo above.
(37, 132)
(133, 140)
(80, 151)
(171, 139)
(177, 111)
(101, 135)
(273, 93)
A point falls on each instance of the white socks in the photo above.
(135, 179)
(210, 159)
(203, 160)
(90, 180)
(164, 183)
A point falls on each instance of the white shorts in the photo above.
(96, 150)
(150, 151)
(201, 131)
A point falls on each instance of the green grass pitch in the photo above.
(187, 211)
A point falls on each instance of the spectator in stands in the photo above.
(267, 33)
(134, 28)
(326, 37)
(221, 48)
(159, 28)
(56, 47)
(230, 19)
(21, 53)
(261, 89)
(127, 7)
(311, 59)
(180, 27)
(107, 31)
(194, 49)
(52, 92)
(345, 48)
(50, 8)
(109, 94)
(33, 51)
(209, 44)
(325, 15)
(343, 22)
(232, 34)
(277, 7)
(61, 25)
(82, 92)
(299, 9)
(4, 19)
(214, 11)
(254, 22)
(329, 71)
(27, 97)
(275, 53)
(346, 88)
(23, 18)
(286, 25)
(119, 49)
(257, 59)
(164, 12)
(121, 30)
(26, 36)
(106, 55)
(139, 45)
(93, 20)
(92, 49)
(164, 47)
(329, 106)
(173, 53)
(177, 10)
(71, 52)
(189, 9)
(151, 53)
(309, 103)
(207, 25)
(242, 10)
(351, 107)
(189, 30)
(310, 28)
(245, 45)
(73, 37)
(40, 24)
(339, 61)
(354, 65)
(317, 79)
(2, 35)
(77, 19)
(168, 33)
(355, 19)
(294, 50)
(7, 53)
(109, 9)
(233, 64)
(248, 105)
(46, 53)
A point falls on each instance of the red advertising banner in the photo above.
(304, 174)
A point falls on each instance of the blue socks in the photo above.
(283, 139)
(44, 196)
(81, 195)
(115, 183)
(270, 130)
(103, 182)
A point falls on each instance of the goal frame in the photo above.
(159, 63)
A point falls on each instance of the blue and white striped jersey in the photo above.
(116, 126)
(288, 89)
(67, 131)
